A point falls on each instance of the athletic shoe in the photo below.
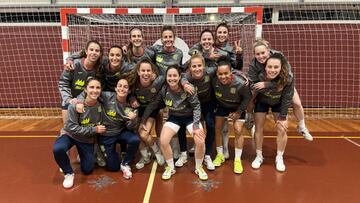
(209, 163)
(304, 132)
(126, 170)
(192, 150)
(100, 159)
(68, 180)
(201, 173)
(219, 159)
(238, 168)
(280, 166)
(257, 162)
(168, 173)
(181, 161)
(159, 158)
(142, 162)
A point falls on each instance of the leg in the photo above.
(239, 143)
(133, 141)
(281, 141)
(219, 159)
(168, 131)
(112, 158)
(199, 153)
(260, 118)
(300, 116)
(86, 153)
(61, 146)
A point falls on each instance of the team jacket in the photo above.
(145, 95)
(234, 96)
(82, 126)
(164, 59)
(111, 78)
(178, 103)
(148, 54)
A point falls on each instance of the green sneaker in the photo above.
(219, 159)
(168, 173)
(201, 173)
(238, 169)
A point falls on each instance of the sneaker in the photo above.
(126, 171)
(280, 166)
(181, 161)
(238, 168)
(159, 158)
(257, 162)
(100, 159)
(68, 180)
(168, 173)
(226, 153)
(209, 163)
(192, 150)
(249, 121)
(142, 162)
(201, 173)
(219, 159)
(304, 132)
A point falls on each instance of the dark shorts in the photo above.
(263, 107)
(153, 114)
(224, 112)
(181, 121)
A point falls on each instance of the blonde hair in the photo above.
(261, 42)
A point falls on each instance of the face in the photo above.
(207, 41)
(261, 54)
(93, 89)
(173, 78)
(167, 39)
(93, 52)
(197, 68)
(224, 74)
(136, 38)
(145, 72)
(222, 34)
(115, 57)
(122, 88)
(273, 68)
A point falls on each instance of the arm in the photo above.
(286, 99)
(75, 128)
(195, 103)
(246, 97)
(64, 86)
(153, 105)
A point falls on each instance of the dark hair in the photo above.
(222, 24)
(209, 31)
(284, 72)
(117, 47)
(130, 53)
(82, 54)
(223, 63)
(176, 67)
(167, 28)
(89, 79)
(134, 73)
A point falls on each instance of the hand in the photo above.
(124, 48)
(73, 101)
(234, 115)
(79, 108)
(134, 104)
(100, 129)
(153, 76)
(259, 85)
(132, 115)
(189, 88)
(214, 55)
(199, 135)
(68, 66)
(238, 49)
(143, 127)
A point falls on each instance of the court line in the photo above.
(150, 183)
(353, 142)
(28, 136)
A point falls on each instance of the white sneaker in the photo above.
(209, 163)
(192, 150)
(168, 173)
(201, 173)
(257, 162)
(159, 158)
(69, 180)
(280, 166)
(304, 132)
(181, 161)
(142, 162)
(226, 152)
(126, 171)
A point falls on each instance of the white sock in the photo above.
(302, 124)
(170, 163)
(183, 154)
(144, 153)
(198, 163)
(259, 153)
(280, 153)
(155, 148)
(220, 150)
(238, 153)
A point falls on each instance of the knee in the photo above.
(135, 140)
(281, 131)
(88, 170)
(58, 149)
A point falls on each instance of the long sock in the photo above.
(155, 147)
(302, 124)
(144, 153)
(238, 153)
(170, 163)
(220, 150)
(259, 153)
(184, 154)
(198, 163)
(279, 153)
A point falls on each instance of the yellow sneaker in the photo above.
(238, 169)
(219, 159)
(168, 173)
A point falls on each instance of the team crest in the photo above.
(233, 90)
(168, 102)
(175, 56)
(153, 90)
(206, 79)
(159, 59)
(127, 110)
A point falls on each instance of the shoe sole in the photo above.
(181, 164)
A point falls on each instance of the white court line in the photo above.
(355, 143)
(150, 183)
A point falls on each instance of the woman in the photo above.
(147, 86)
(80, 130)
(184, 111)
(136, 51)
(262, 52)
(279, 100)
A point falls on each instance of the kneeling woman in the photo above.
(184, 111)
(278, 100)
(80, 130)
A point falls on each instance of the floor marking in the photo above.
(28, 136)
(355, 143)
(150, 183)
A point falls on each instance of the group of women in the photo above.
(118, 99)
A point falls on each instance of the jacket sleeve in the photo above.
(153, 105)
(245, 98)
(195, 103)
(195, 49)
(64, 85)
(75, 128)
(286, 98)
